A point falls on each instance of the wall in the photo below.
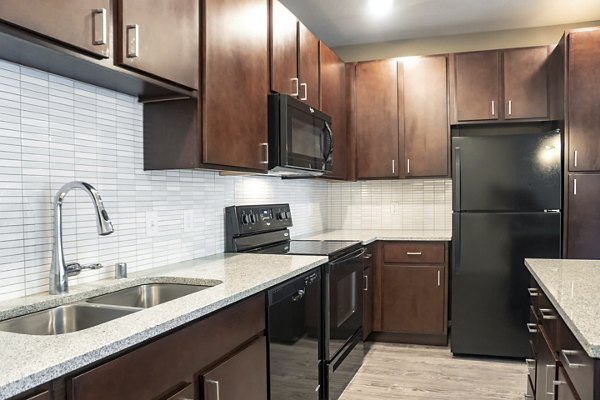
(548, 35)
(421, 205)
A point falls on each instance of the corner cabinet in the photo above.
(160, 38)
(411, 291)
(333, 102)
(84, 24)
(218, 356)
(500, 85)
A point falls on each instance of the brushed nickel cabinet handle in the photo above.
(296, 86)
(99, 26)
(439, 276)
(528, 363)
(393, 166)
(367, 256)
(547, 313)
(531, 327)
(574, 186)
(305, 86)
(510, 107)
(408, 166)
(414, 253)
(133, 41)
(264, 160)
(575, 158)
(366, 289)
(493, 108)
(533, 292)
(216, 383)
(566, 354)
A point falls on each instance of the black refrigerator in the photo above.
(506, 207)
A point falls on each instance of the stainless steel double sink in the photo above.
(97, 310)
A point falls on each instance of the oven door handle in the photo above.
(355, 254)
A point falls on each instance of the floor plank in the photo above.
(405, 372)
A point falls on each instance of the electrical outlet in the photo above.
(151, 223)
(188, 220)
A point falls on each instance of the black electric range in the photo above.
(323, 326)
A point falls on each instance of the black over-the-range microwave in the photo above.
(300, 138)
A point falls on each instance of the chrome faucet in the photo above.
(59, 271)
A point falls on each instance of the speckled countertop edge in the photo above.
(368, 236)
(579, 328)
(27, 361)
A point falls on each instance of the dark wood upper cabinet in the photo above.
(243, 376)
(583, 216)
(426, 129)
(294, 57)
(583, 111)
(84, 24)
(161, 38)
(236, 84)
(477, 79)
(377, 140)
(333, 103)
(525, 74)
(284, 50)
(500, 85)
(308, 66)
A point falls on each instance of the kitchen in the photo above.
(158, 113)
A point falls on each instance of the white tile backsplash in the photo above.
(54, 130)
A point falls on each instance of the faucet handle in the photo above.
(93, 266)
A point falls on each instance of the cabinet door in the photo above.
(477, 85)
(583, 118)
(413, 299)
(243, 376)
(583, 219)
(284, 50)
(333, 103)
(308, 66)
(84, 24)
(377, 119)
(161, 38)
(426, 129)
(564, 390)
(526, 83)
(368, 303)
(545, 371)
(236, 83)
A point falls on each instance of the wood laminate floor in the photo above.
(405, 372)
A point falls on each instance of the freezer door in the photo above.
(489, 279)
(507, 172)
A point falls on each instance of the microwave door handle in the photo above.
(330, 133)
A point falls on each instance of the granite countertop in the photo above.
(573, 287)
(367, 236)
(27, 361)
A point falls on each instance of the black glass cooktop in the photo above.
(310, 247)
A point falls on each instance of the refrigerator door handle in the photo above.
(457, 183)
(456, 243)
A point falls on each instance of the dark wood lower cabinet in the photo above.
(563, 388)
(166, 367)
(242, 376)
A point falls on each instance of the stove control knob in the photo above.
(281, 215)
(245, 219)
(288, 215)
(252, 218)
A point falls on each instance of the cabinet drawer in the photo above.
(577, 364)
(548, 317)
(414, 253)
(161, 367)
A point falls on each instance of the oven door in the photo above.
(343, 312)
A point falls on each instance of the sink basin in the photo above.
(146, 296)
(63, 319)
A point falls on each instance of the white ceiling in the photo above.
(344, 22)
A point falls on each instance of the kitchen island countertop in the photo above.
(573, 287)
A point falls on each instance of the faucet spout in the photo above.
(58, 271)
